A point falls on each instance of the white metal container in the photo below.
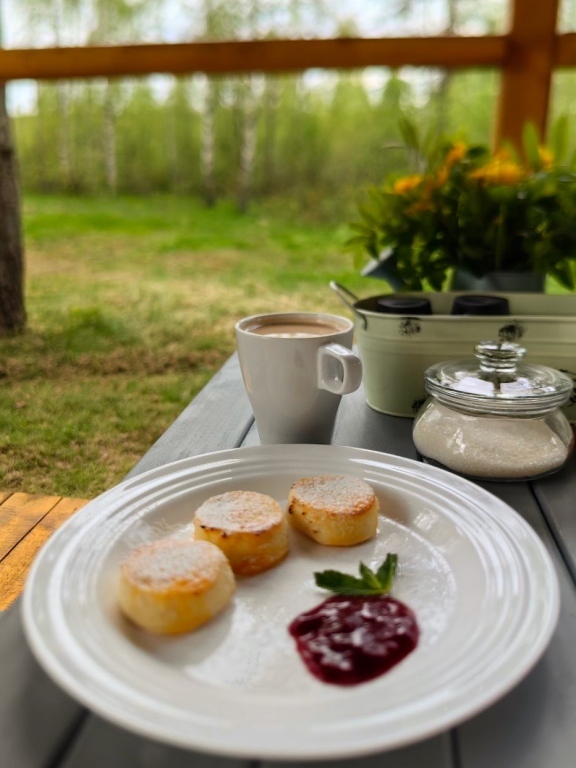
(396, 350)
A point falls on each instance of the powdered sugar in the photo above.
(240, 511)
(170, 562)
(333, 493)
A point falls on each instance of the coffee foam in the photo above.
(295, 329)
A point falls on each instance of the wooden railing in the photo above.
(527, 57)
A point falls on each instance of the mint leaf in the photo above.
(369, 577)
(387, 571)
(338, 582)
(370, 583)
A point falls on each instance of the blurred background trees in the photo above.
(237, 137)
(317, 135)
(243, 137)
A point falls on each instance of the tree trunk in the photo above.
(446, 76)
(63, 136)
(171, 124)
(12, 312)
(271, 100)
(110, 159)
(62, 101)
(208, 143)
(247, 145)
(40, 143)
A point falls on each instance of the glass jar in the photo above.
(494, 417)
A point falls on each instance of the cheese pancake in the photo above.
(334, 509)
(249, 527)
(173, 586)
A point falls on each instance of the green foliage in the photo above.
(559, 138)
(473, 210)
(531, 145)
(315, 136)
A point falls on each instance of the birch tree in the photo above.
(248, 113)
(60, 18)
(270, 104)
(286, 18)
(218, 21)
(208, 142)
(113, 20)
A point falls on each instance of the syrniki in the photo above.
(173, 586)
(334, 509)
(249, 527)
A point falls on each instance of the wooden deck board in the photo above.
(26, 522)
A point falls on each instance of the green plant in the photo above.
(474, 210)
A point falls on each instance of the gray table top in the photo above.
(534, 726)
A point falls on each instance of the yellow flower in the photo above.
(499, 171)
(418, 207)
(441, 176)
(407, 184)
(502, 156)
(546, 157)
(455, 154)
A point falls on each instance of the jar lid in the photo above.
(498, 382)
(404, 305)
(474, 304)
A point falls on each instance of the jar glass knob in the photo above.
(500, 357)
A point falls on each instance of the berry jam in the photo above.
(349, 640)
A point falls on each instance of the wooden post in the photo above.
(12, 311)
(527, 71)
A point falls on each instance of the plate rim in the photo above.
(54, 666)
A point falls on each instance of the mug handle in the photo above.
(338, 379)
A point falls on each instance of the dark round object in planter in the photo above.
(408, 306)
(480, 305)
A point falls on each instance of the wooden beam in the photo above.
(253, 56)
(566, 50)
(527, 70)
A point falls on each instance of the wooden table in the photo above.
(534, 726)
(26, 522)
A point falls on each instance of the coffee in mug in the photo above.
(294, 330)
(296, 366)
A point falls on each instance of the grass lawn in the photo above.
(131, 308)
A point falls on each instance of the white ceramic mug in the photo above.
(296, 366)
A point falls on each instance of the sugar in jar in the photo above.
(495, 417)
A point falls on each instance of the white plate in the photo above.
(480, 581)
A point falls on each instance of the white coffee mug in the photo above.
(296, 366)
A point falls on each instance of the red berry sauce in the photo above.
(349, 640)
